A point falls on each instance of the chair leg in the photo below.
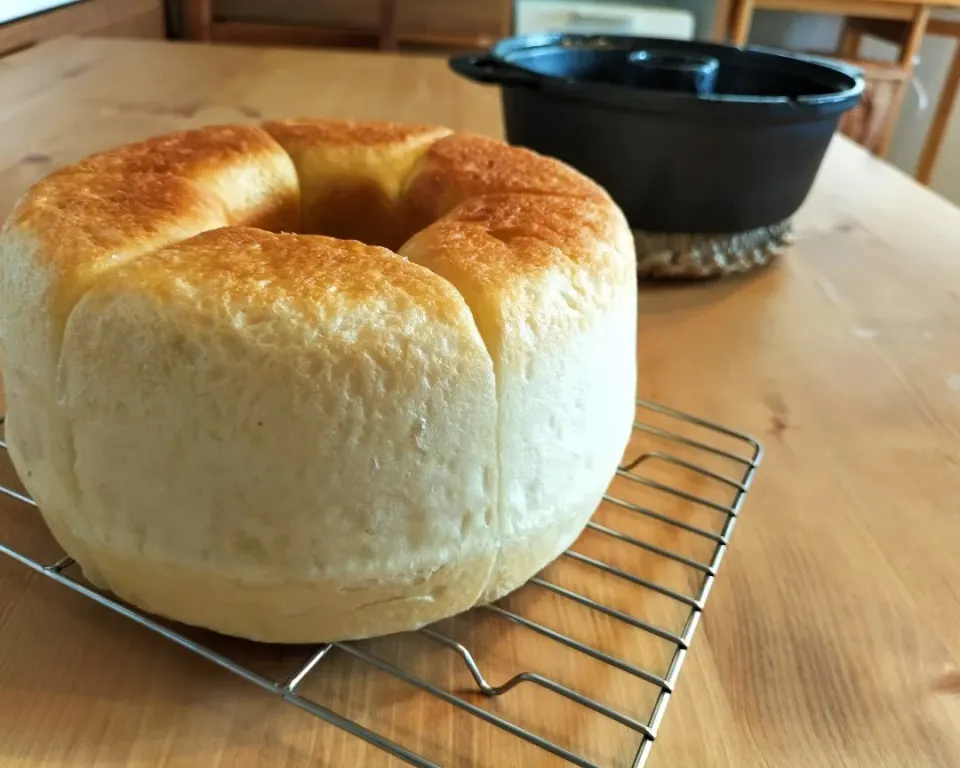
(940, 122)
(850, 39)
(722, 19)
(198, 15)
(388, 25)
(741, 21)
(912, 38)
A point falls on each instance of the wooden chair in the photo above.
(893, 31)
(909, 20)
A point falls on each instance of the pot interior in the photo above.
(749, 74)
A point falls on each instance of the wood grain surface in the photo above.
(832, 635)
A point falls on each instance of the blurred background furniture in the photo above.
(942, 23)
(382, 24)
(903, 23)
(874, 122)
(24, 23)
(444, 24)
(881, 36)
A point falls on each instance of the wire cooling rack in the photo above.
(682, 475)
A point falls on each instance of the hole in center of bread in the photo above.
(356, 209)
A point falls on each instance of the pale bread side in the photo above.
(323, 415)
(553, 290)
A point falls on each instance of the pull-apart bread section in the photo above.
(300, 438)
(240, 164)
(463, 166)
(87, 219)
(328, 412)
(552, 289)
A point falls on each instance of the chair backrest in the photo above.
(868, 122)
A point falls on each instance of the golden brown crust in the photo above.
(571, 227)
(462, 166)
(240, 164)
(82, 218)
(302, 133)
(188, 154)
(265, 267)
(495, 243)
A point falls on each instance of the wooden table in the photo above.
(832, 637)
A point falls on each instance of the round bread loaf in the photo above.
(232, 418)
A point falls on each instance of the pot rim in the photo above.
(846, 79)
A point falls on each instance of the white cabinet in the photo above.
(603, 18)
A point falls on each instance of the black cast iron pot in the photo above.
(686, 136)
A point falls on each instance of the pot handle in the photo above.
(482, 68)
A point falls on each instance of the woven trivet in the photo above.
(662, 255)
